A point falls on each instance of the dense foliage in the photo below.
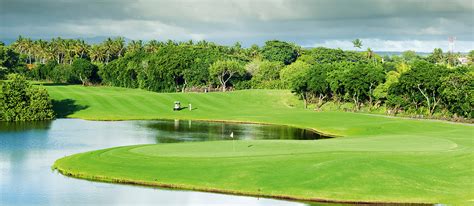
(20, 101)
(225, 70)
(440, 84)
(280, 51)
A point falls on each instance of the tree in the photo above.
(84, 70)
(295, 76)
(224, 70)
(361, 80)
(264, 74)
(253, 51)
(452, 59)
(318, 83)
(457, 90)
(321, 55)
(381, 91)
(410, 56)
(421, 85)
(253, 66)
(80, 48)
(280, 51)
(25, 47)
(97, 53)
(357, 43)
(267, 71)
(20, 101)
(437, 57)
(470, 57)
(335, 77)
(135, 46)
(9, 60)
(152, 46)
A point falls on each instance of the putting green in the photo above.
(377, 159)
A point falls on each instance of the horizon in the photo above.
(393, 26)
(99, 39)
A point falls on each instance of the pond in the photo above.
(27, 151)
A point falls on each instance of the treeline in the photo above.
(438, 84)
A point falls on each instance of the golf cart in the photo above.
(177, 106)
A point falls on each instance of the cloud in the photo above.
(400, 45)
(248, 21)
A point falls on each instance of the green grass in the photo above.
(376, 159)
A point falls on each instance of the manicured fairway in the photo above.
(377, 159)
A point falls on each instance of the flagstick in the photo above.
(233, 146)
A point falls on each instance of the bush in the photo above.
(44, 71)
(62, 73)
(85, 71)
(270, 84)
(243, 85)
(19, 101)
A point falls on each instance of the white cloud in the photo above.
(197, 37)
(400, 45)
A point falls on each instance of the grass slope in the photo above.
(378, 159)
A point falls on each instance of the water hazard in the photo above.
(27, 151)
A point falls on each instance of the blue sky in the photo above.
(383, 25)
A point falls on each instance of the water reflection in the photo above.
(24, 126)
(187, 130)
(27, 152)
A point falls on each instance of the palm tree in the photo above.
(19, 45)
(119, 46)
(97, 53)
(41, 51)
(370, 53)
(135, 46)
(253, 51)
(153, 46)
(24, 46)
(80, 48)
(357, 43)
(107, 46)
(29, 45)
(70, 50)
(59, 49)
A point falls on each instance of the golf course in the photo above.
(371, 159)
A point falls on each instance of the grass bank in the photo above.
(378, 159)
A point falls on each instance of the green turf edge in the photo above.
(99, 178)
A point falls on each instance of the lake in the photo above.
(27, 151)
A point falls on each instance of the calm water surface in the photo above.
(27, 152)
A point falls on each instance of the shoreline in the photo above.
(222, 191)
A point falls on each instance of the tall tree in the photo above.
(421, 85)
(457, 91)
(437, 57)
(224, 70)
(135, 46)
(295, 76)
(152, 46)
(318, 83)
(280, 51)
(357, 43)
(360, 82)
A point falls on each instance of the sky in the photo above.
(382, 25)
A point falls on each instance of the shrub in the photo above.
(84, 71)
(19, 101)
